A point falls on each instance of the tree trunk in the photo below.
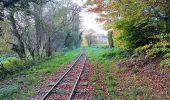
(19, 49)
(49, 50)
(167, 20)
(31, 51)
(167, 17)
(38, 26)
(110, 38)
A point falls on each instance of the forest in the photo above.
(47, 54)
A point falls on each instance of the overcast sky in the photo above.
(88, 19)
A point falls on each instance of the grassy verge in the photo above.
(108, 78)
(102, 68)
(22, 84)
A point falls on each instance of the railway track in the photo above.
(64, 88)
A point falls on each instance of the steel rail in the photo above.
(72, 92)
(48, 93)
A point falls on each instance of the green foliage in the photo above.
(96, 56)
(136, 92)
(29, 73)
(7, 91)
(6, 57)
(136, 32)
(37, 72)
(11, 62)
(114, 78)
(166, 56)
(135, 20)
(110, 82)
(152, 50)
(94, 78)
(165, 62)
(99, 94)
(115, 54)
(163, 37)
(104, 46)
(7, 62)
(160, 48)
(14, 65)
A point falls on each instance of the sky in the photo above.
(88, 19)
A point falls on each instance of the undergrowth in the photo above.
(154, 50)
(116, 54)
(8, 90)
(33, 73)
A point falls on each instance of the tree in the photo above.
(167, 15)
(11, 7)
(136, 20)
(63, 27)
(41, 27)
(18, 48)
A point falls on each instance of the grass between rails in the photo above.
(108, 79)
(22, 84)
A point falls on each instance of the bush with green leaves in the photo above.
(165, 62)
(116, 53)
(160, 48)
(6, 92)
(11, 62)
(152, 50)
(136, 32)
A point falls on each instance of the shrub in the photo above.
(136, 92)
(160, 48)
(11, 62)
(165, 62)
(9, 90)
(115, 53)
(136, 32)
(166, 56)
(110, 81)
